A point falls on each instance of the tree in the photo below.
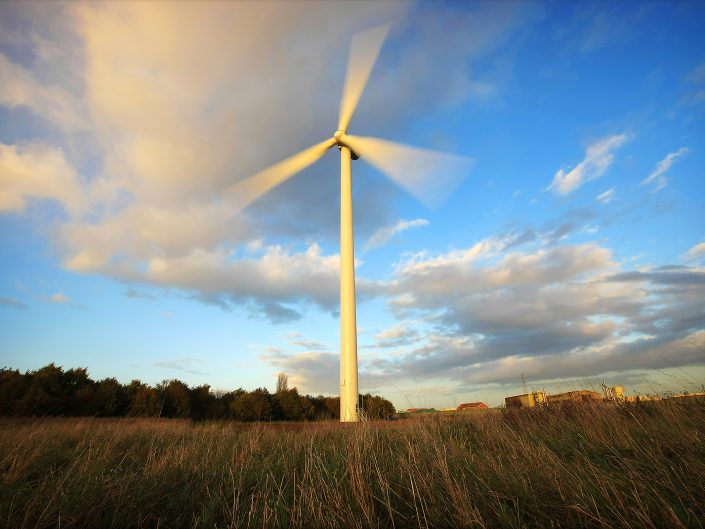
(51, 390)
(47, 393)
(376, 407)
(291, 406)
(110, 398)
(282, 382)
(145, 400)
(308, 412)
(78, 391)
(252, 406)
(35, 402)
(332, 406)
(204, 404)
(13, 386)
(176, 399)
(223, 402)
(324, 408)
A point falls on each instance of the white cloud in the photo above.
(696, 77)
(18, 88)
(311, 345)
(271, 283)
(601, 25)
(468, 278)
(398, 335)
(59, 298)
(13, 303)
(696, 74)
(645, 353)
(606, 196)
(310, 371)
(137, 294)
(181, 364)
(139, 232)
(34, 170)
(519, 311)
(696, 251)
(658, 175)
(598, 158)
(297, 339)
(423, 264)
(382, 235)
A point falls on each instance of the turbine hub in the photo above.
(339, 136)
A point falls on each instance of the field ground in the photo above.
(602, 465)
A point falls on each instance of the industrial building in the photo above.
(613, 393)
(581, 395)
(527, 400)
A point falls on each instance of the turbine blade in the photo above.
(430, 176)
(246, 191)
(364, 50)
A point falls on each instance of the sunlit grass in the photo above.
(595, 465)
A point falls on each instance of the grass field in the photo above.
(640, 466)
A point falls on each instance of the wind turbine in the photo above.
(428, 175)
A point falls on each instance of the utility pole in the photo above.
(523, 383)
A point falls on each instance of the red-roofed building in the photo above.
(472, 406)
(420, 410)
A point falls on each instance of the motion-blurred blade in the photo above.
(364, 50)
(246, 191)
(430, 176)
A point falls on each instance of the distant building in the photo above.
(613, 393)
(472, 406)
(641, 398)
(687, 395)
(582, 395)
(420, 410)
(527, 400)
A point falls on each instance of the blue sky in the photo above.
(573, 252)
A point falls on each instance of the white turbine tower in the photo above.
(428, 175)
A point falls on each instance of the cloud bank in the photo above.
(151, 113)
(484, 314)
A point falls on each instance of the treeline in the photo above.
(53, 391)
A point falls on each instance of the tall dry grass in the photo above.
(638, 466)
